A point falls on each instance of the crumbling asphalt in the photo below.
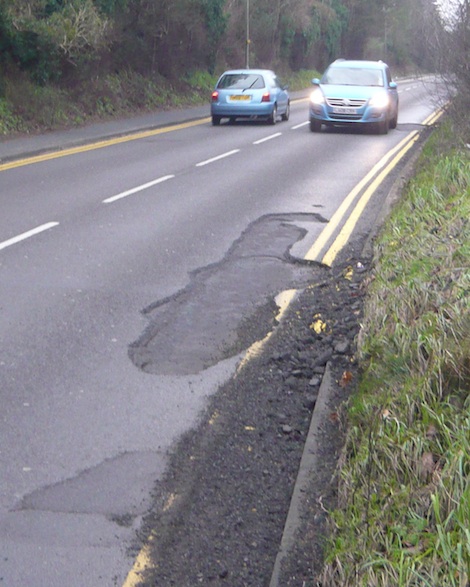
(250, 488)
(246, 496)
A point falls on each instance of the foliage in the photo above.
(76, 46)
(44, 37)
(404, 508)
(216, 25)
(35, 107)
(9, 122)
(454, 53)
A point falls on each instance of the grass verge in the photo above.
(27, 107)
(403, 517)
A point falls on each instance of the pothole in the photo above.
(229, 305)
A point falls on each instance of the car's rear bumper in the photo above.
(242, 110)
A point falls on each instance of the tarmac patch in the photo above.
(229, 305)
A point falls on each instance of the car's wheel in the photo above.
(315, 125)
(272, 118)
(215, 120)
(382, 127)
(286, 114)
(393, 121)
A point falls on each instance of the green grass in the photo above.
(9, 121)
(300, 80)
(403, 517)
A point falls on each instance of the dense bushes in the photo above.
(57, 39)
(81, 47)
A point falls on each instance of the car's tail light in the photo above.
(266, 97)
(215, 96)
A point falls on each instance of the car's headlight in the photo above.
(317, 97)
(380, 100)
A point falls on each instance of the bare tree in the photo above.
(459, 49)
(454, 58)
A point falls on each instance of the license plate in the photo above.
(237, 97)
(344, 111)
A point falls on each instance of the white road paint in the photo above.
(207, 161)
(300, 125)
(27, 234)
(139, 188)
(275, 135)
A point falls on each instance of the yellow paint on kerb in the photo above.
(143, 561)
(283, 301)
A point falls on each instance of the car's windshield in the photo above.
(241, 81)
(353, 76)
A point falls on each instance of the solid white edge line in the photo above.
(274, 136)
(27, 234)
(207, 161)
(137, 189)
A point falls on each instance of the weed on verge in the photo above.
(403, 516)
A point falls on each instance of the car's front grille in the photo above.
(345, 117)
(345, 103)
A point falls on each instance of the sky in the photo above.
(448, 7)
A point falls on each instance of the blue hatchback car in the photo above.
(249, 93)
(354, 93)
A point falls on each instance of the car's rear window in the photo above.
(353, 76)
(241, 81)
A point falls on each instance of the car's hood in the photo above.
(352, 92)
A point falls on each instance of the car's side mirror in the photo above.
(316, 81)
(393, 85)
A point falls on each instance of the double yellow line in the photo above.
(373, 179)
(100, 144)
(371, 182)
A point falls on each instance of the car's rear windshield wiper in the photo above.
(249, 87)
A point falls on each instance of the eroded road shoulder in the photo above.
(219, 514)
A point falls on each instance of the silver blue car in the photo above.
(354, 93)
(250, 94)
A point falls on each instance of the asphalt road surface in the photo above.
(133, 277)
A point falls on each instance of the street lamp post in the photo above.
(247, 50)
